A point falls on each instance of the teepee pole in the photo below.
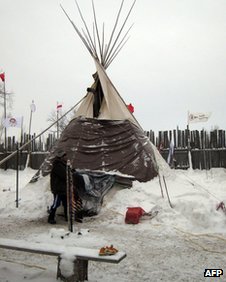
(103, 39)
(160, 183)
(167, 191)
(109, 51)
(113, 31)
(97, 31)
(117, 50)
(79, 33)
(94, 37)
(87, 30)
(122, 27)
(89, 43)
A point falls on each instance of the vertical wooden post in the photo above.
(69, 196)
(5, 130)
(189, 144)
(17, 177)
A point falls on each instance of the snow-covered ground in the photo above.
(176, 245)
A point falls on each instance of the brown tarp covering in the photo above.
(111, 146)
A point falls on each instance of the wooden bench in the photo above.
(79, 257)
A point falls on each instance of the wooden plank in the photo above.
(166, 139)
(24, 246)
(53, 250)
(170, 136)
(214, 138)
(183, 139)
(175, 138)
(116, 258)
(197, 139)
(223, 139)
(152, 136)
(186, 138)
(220, 139)
(160, 139)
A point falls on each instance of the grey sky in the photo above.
(174, 61)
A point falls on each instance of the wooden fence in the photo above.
(208, 149)
(38, 149)
(41, 144)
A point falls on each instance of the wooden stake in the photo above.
(160, 183)
(167, 191)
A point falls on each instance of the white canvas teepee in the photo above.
(104, 135)
(112, 107)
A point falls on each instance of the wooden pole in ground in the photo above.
(17, 177)
(189, 144)
(160, 183)
(5, 130)
(167, 191)
(69, 194)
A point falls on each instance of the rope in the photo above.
(201, 235)
(202, 247)
(194, 183)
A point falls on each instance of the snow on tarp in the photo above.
(108, 145)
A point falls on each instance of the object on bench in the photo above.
(108, 251)
(79, 257)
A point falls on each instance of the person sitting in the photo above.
(58, 185)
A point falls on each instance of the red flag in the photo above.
(130, 108)
(2, 76)
(59, 106)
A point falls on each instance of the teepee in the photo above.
(104, 135)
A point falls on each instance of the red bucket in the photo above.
(133, 215)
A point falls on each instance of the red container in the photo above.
(133, 215)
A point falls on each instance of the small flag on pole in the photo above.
(12, 122)
(59, 107)
(2, 76)
(198, 117)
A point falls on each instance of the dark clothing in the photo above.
(58, 199)
(58, 178)
(58, 184)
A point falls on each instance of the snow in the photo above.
(176, 245)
